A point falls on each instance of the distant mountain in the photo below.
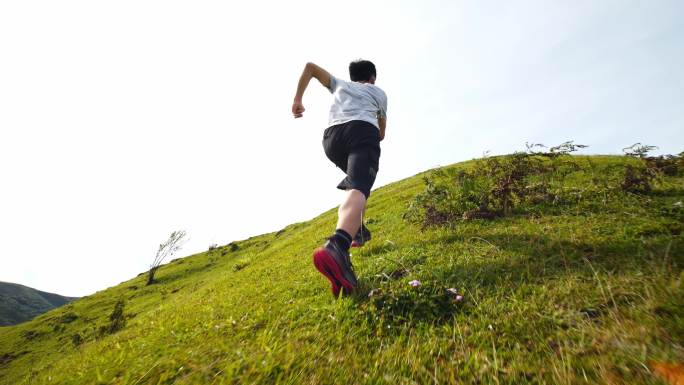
(20, 303)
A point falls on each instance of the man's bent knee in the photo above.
(358, 193)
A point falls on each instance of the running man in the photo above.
(357, 121)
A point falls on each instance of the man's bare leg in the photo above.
(332, 260)
(350, 213)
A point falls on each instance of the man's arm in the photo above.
(310, 70)
(382, 122)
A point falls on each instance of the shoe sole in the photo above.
(326, 264)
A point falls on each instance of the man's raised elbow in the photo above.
(309, 68)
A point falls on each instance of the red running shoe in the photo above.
(335, 265)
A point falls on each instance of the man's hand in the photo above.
(298, 109)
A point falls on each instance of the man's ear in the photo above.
(371, 80)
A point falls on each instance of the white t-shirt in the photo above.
(356, 101)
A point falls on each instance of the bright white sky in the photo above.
(122, 121)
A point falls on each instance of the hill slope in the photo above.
(20, 303)
(586, 289)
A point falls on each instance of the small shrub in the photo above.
(640, 179)
(117, 320)
(76, 339)
(31, 334)
(447, 197)
(670, 165)
(68, 318)
(508, 178)
(6, 358)
(637, 179)
(240, 265)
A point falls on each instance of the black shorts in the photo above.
(355, 148)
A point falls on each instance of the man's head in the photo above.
(362, 71)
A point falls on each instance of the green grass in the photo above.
(588, 292)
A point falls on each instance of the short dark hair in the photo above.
(361, 70)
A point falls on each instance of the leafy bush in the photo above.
(639, 179)
(68, 317)
(447, 197)
(117, 320)
(495, 186)
(76, 339)
(508, 179)
(240, 264)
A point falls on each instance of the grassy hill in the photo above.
(20, 303)
(579, 282)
